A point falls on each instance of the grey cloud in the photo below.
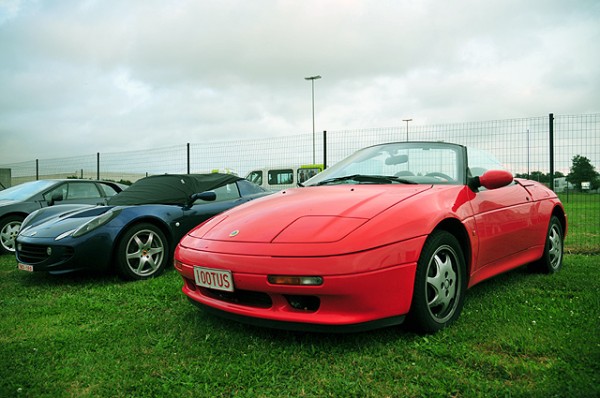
(188, 71)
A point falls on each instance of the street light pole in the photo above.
(407, 120)
(312, 83)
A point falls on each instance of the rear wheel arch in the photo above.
(553, 254)
(15, 214)
(559, 212)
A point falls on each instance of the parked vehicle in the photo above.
(395, 231)
(19, 201)
(562, 185)
(136, 232)
(278, 178)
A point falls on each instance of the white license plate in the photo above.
(217, 279)
(25, 267)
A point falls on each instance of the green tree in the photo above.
(540, 176)
(582, 170)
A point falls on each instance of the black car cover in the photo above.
(170, 189)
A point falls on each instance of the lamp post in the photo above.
(312, 83)
(407, 120)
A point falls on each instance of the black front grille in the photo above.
(35, 254)
(243, 297)
(32, 254)
(66, 253)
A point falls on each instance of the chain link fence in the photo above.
(540, 148)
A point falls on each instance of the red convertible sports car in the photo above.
(394, 232)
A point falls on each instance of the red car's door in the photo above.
(503, 218)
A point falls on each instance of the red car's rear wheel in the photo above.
(552, 258)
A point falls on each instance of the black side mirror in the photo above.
(57, 197)
(208, 196)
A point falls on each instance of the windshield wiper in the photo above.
(369, 179)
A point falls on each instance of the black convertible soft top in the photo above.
(170, 189)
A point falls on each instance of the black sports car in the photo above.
(137, 231)
(19, 201)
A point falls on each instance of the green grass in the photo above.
(583, 213)
(520, 334)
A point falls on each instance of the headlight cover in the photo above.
(27, 220)
(95, 223)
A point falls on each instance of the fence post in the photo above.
(97, 165)
(324, 149)
(551, 142)
(37, 169)
(188, 158)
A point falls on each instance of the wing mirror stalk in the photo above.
(57, 197)
(208, 196)
(492, 179)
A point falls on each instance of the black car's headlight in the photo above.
(28, 220)
(95, 223)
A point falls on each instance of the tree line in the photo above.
(582, 171)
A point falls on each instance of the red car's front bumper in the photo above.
(379, 296)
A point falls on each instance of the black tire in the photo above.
(552, 258)
(9, 229)
(142, 252)
(440, 284)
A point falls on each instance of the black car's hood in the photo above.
(50, 224)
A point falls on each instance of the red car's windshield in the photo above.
(405, 162)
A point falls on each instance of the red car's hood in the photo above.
(306, 215)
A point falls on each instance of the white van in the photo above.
(278, 178)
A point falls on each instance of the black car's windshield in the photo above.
(25, 190)
(401, 162)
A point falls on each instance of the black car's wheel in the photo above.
(552, 258)
(9, 229)
(142, 252)
(440, 284)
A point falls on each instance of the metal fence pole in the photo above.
(37, 169)
(97, 165)
(188, 158)
(324, 149)
(551, 143)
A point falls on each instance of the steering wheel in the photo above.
(440, 175)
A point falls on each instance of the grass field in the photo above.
(520, 335)
(583, 212)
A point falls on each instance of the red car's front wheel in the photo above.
(440, 283)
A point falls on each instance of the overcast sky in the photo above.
(80, 77)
